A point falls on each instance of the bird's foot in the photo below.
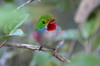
(40, 48)
(54, 51)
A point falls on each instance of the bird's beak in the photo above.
(52, 21)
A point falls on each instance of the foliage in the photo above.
(84, 60)
(71, 34)
(10, 21)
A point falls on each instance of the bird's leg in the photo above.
(40, 48)
(54, 51)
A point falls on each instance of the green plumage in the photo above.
(43, 21)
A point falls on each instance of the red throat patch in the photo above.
(51, 25)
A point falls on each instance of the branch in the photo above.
(35, 47)
(85, 9)
(26, 3)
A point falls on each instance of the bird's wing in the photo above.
(58, 28)
(35, 36)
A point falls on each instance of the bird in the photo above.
(47, 31)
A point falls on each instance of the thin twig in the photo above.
(35, 47)
(26, 3)
(61, 58)
(3, 42)
(85, 9)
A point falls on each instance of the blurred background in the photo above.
(80, 19)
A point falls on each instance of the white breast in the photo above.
(50, 34)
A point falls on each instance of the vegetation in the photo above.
(18, 22)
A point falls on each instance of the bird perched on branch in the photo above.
(47, 31)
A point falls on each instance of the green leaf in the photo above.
(8, 0)
(22, 20)
(84, 60)
(69, 35)
(17, 32)
(96, 42)
(10, 20)
(15, 22)
(4, 37)
(5, 14)
(41, 58)
(91, 26)
(87, 30)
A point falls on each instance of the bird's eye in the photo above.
(43, 22)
